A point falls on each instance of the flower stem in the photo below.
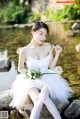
(48, 73)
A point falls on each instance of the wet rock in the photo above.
(24, 111)
(5, 99)
(76, 26)
(73, 111)
(70, 33)
(14, 114)
(5, 65)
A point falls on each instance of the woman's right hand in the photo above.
(58, 49)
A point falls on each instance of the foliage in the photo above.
(32, 74)
(49, 14)
(14, 14)
(33, 17)
(15, 11)
(70, 12)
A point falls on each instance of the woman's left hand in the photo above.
(58, 49)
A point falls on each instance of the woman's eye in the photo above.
(41, 34)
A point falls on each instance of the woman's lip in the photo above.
(41, 40)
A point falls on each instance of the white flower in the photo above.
(32, 74)
(29, 73)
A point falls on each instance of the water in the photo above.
(7, 78)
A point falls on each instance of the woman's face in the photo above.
(40, 36)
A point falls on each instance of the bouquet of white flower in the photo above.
(36, 74)
(33, 74)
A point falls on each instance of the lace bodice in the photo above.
(41, 65)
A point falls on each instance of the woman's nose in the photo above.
(43, 37)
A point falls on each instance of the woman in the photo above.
(49, 89)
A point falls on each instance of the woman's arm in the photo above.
(21, 60)
(54, 60)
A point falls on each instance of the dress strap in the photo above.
(52, 47)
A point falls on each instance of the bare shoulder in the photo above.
(21, 50)
(47, 46)
(25, 49)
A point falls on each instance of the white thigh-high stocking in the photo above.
(38, 104)
(44, 96)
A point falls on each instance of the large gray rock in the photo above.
(5, 65)
(70, 33)
(73, 111)
(76, 26)
(5, 99)
(24, 109)
(7, 78)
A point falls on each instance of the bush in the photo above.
(70, 12)
(14, 14)
(34, 17)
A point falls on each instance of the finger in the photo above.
(58, 48)
(53, 46)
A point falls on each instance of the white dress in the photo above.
(58, 87)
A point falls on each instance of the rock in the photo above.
(26, 108)
(73, 111)
(14, 114)
(5, 65)
(7, 78)
(78, 48)
(70, 33)
(77, 32)
(76, 26)
(5, 99)
(24, 111)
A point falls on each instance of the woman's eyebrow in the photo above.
(43, 32)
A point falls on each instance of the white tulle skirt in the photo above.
(58, 87)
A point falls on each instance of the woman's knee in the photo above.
(45, 88)
(44, 94)
(33, 93)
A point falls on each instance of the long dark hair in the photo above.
(38, 25)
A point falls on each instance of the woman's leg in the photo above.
(33, 93)
(44, 96)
